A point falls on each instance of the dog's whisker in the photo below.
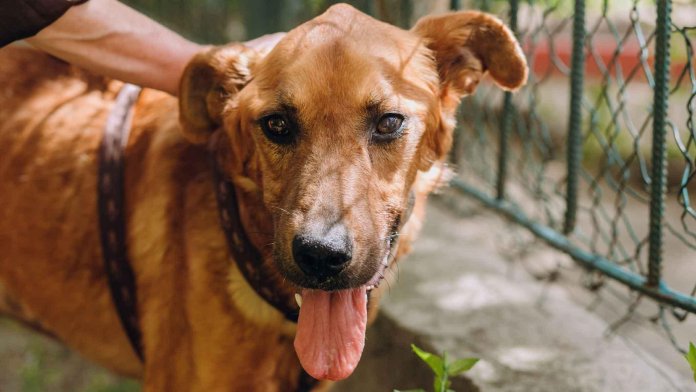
(390, 236)
(281, 210)
(383, 277)
(396, 273)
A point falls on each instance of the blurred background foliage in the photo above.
(221, 21)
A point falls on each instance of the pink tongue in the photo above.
(331, 332)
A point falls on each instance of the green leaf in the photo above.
(441, 384)
(691, 358)
(435, 362)
(411, 390)
(461, 365)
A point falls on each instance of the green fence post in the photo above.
(658, 185)
(506, 120)
(574, 146)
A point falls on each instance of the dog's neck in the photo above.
(256, 219)
(254, 222)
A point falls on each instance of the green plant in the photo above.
(691, 358)
(35, 373)
(442, 368)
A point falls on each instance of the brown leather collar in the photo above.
(110, 207)
(244, 254)
(112, 225)
(111, 211)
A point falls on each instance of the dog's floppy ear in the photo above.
(209, 81)
(468, 44)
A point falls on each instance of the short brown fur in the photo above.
(204, 328)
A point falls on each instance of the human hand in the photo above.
(109, 38)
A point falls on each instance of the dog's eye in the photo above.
(389, 127)
(276, 125)
(277, 128)
(389, 123)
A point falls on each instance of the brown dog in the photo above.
(324, 138)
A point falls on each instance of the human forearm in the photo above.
(109, 38)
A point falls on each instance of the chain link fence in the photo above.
(596, 154)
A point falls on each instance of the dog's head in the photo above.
(334, 123)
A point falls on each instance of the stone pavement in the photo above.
(456, 293)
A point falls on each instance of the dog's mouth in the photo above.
(331, 326)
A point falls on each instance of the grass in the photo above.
(691, 358)
(34, 363)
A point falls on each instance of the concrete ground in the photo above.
(456, 293)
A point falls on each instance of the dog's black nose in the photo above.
(323, 256)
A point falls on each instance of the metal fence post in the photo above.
(658, 184)
(574, 146)
(506, 120)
